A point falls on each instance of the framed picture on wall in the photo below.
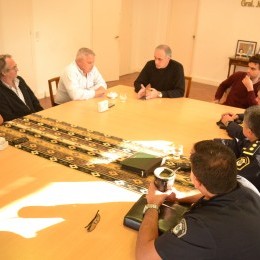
(245, 48)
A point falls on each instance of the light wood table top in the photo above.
(45, 206)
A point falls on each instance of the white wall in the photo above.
(60, 28)
(182, 32)
(216, 25)
(150, 24)
(220, 24)
(43, 36)
(15, 36)
(125, 37)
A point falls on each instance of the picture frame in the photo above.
(245, 49)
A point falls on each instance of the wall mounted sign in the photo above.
(251, 3)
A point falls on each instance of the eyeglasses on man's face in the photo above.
(13, 68)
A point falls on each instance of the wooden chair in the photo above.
(50, 83)
(1, 120)
(187, 86)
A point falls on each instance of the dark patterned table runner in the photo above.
(85, 150)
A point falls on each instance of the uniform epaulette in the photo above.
(251, 150)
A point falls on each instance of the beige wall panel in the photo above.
(60, 28)
(15, 36)
(125, 37)
(150, 24)
(43, 36)
(220, 24)
(105, 37)
(182, 31)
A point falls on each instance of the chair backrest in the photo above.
(187, 86)
(50, 83)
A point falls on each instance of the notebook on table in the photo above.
(170, 215)
(142, 163)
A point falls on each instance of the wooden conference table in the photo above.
(45, 206)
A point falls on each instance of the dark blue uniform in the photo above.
(248, 154)
(224, 227)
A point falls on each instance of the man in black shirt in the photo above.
(161, 77)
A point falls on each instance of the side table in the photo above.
(237, 61)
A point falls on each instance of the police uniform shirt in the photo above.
(248, 164)
(224, 227)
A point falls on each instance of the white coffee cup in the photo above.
(164, 178)
(103, 106)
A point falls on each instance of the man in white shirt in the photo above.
(81, 80)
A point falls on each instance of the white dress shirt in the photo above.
(74, 85)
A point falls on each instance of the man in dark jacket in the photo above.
(222, 222)
(16, 98)
(245, 143)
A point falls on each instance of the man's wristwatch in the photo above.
(159, 94)
(151, 206)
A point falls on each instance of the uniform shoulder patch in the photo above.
(252, 149)
(180, 229)
(242, 162)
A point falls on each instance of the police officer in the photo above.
(246, 144)
(222, 224)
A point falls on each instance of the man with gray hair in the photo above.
(16, 97)
(81, 79)
(161, 77)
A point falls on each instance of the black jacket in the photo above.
(247, 153)
(11, 106)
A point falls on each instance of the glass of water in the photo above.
(123, 97)
(177, 151)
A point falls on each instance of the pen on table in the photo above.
(111, 105)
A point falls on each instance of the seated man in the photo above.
(242, 86)
(161, 77)
(237, 118)
(81, 80)
(245, 143)
(222, 222)
(16, 98)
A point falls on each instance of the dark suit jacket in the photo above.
(11, 106)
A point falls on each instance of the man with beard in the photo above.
(242, 87)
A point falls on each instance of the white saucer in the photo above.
(112, 95)
(3, 145)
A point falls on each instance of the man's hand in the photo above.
(248, 83)
(154, 196)
(234, 116)
(141, 93)
(257, 98)
(151, 93)
(100, 92)
(228, 117)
